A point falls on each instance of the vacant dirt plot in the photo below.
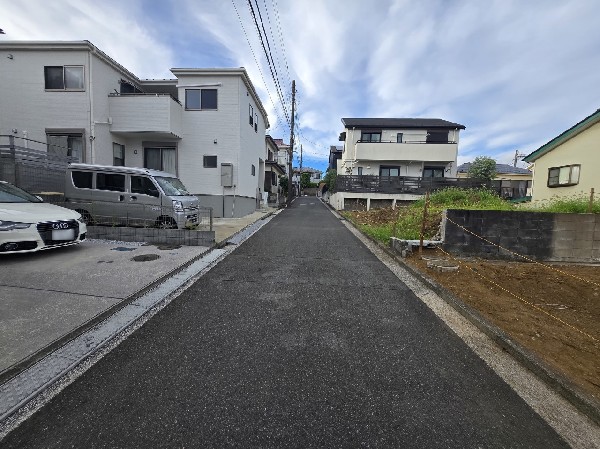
(554, 312)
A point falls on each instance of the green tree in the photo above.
(330, 178)
(483, 167)
(283, 183)
(305, 180)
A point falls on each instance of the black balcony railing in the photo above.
(407, 184)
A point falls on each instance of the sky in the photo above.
(514, 73)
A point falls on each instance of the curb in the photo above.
(557, 382)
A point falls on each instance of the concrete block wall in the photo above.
(537, 235)
(184, 237)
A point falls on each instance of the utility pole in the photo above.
(291, 149)
(300, 185)
(517, 156)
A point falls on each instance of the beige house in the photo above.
(566, 166)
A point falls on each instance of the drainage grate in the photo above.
(145, 257)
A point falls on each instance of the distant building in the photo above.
(335, 154)
(385, 160)
(516, 181)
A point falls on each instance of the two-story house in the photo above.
(205, 125)
(566, 165)
(273, 171)
(385, 160)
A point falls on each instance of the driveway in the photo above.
(47, 295)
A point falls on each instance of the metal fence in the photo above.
(407, 184)
(27, 164)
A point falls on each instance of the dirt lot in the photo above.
(554, 312)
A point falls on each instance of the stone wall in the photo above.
(537, 235)
(184, 237)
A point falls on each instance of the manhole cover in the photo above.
(145, 257)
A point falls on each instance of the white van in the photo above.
(129, 196)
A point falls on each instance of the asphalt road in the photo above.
(299, 338)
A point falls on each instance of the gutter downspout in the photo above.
(91, 102)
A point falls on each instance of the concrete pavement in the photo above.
(47, 298)
(301, 337)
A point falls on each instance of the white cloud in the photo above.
(110, 25)
(516, 74)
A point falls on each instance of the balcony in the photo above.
(407, 184)
(159, 114)
(406, 151)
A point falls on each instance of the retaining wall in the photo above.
(185, 237)
(538, 235)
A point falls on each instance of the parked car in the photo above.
(129, 196)
(27, 224)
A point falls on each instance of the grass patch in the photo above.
(405, 221)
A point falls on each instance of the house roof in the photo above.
(402, 123)
(502, 169)
(563, 137)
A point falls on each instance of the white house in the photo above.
(205, 125)
(385, 160)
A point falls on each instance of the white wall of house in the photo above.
(28, 108)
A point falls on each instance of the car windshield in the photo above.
(172, 186)
(12, 194)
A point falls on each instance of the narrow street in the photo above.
(299, 338)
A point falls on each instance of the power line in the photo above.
(271, 68)
(255, 59)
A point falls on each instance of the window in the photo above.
(371, 137)
(127, 88)
(433, 172)
(110, 181)
(567, 175)
(118, 154)
(273, 179)
(387, 170)
(399, 138)
(251, 112)
(437, 137)
(255, 123)
(160, 158)
(143, 186)
(253, 170)
(201, 99)
(82, 179)
(65, 145)
(360, 171)
(63, 77)
(210, 161)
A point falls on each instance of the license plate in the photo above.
(63, 234)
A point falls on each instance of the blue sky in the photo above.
(515, 73)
